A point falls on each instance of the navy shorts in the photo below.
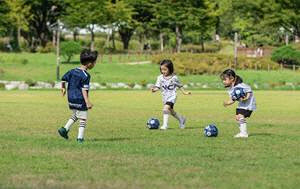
(171, 104)
(245, 113)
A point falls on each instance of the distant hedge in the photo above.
(286, 55)
(189, 63)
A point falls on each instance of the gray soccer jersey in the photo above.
(249, 104)
(168, 87)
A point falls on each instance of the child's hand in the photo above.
(187, 93)
(63, 91)
(153, 89)
(89, 105)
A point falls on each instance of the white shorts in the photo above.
(80, 114)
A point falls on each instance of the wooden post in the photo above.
(255, 66)
(235, 49)
(110, 58)
(268, 67)
(281, 66)
(294, 67)
(57, 51)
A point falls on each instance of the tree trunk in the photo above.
(161, 38)
(92, 39)
(113, 39)
(75, 33)
(19, 38)
(125, 34)
(178, 39)
(202, 45)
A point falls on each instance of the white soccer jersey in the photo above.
(168, 86)
(249, 104)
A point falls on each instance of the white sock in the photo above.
(243, 126)
(166, 119)
(70, 122)
(82, 124)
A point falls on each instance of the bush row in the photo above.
(189, 63)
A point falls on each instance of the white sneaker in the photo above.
(241, 135)
(182, 123)
(163, 128)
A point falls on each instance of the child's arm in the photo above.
(246, 97)
(89, 105)
(154, 89)
(184, 92)
(228, 103)
(63, 88)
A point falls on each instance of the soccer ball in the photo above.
(238, 93)
(211, 131)
(153, 123)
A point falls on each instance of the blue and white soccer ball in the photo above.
(211, 131)
(153, 123)
(238, 93)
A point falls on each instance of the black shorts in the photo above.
(245, 113)
(171, 104)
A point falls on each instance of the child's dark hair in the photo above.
(230, 73)
(88, 56)
(169, 64)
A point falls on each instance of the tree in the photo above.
(118, 12)
(86, 14)
(19, 16)
(182, 16)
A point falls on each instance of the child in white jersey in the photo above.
(168, 82)
(238, 91)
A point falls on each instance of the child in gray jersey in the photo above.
(238, 91)
(168, 83)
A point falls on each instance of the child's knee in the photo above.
(167, 109)
(240, 119)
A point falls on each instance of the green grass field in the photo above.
(119, 152)
(42, 67)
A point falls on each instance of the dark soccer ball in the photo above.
(153, 123)
(211, 131)
(238, 93)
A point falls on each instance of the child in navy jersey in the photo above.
(78, 80)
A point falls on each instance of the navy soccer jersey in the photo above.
(77, 80)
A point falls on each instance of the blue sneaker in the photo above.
(63, 133)
(80, 140)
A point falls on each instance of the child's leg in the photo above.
(71, 121)
(242, 124)
(177, 116)
(82, 125)
(166, 113)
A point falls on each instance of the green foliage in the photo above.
(286, 55)
(46, 49)
(69, 49)
(188, 63)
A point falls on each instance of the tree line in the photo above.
(265, 22)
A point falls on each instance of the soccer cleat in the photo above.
(163, 128)
(241, 135)
(63, 133)
(80, 140)
(182, 123)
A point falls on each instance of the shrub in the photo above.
(286, 55)
(47, 49)
(69, 49)
(189, 63)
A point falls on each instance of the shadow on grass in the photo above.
(109, 139)
(193, 128)
(260, 134)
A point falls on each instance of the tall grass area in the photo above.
(119, 152)
(42, 67)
